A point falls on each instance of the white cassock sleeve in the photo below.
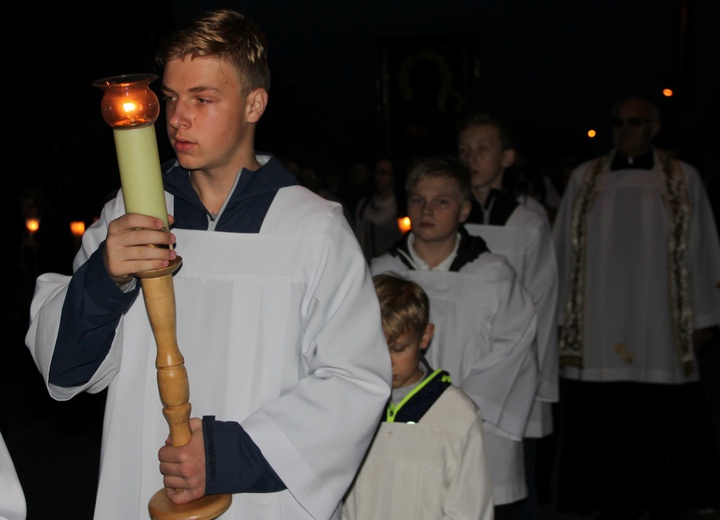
(12, 498)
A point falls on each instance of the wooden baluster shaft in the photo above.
(174, 388)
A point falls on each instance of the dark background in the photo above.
(554, 68)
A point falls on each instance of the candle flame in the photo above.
(77, 228)
(32, 224)
(404, 224)
(129, 106)
(128, 100)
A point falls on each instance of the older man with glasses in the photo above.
(639, 297)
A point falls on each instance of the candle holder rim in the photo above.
(125, 80)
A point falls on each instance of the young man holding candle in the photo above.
(277, 317)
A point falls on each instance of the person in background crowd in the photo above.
(639, 298)
(427, 460)
(486, 322)
(376, 214)
(523, 236)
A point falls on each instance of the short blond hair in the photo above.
(440, 166)
(404, 306)
(225, 34)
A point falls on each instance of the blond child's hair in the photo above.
(440, 166)
(404, 306)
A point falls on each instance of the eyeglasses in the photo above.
(632, 121)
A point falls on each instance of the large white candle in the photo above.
(140, 174)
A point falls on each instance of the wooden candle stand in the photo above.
(159, 295)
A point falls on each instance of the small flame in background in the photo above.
(404, 224)
(77, 228)
(32, 225)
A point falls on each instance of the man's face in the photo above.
(206, 113)
(384, 180)
(480, 149)
(436, 208)
(634, 126)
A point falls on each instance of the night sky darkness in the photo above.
(552, 67)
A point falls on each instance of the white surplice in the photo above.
(484, 329)
(280, 331)
(628, 323)
(525, 240)
(430, 470)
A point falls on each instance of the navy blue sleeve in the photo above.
(234, 463)
(92, 309)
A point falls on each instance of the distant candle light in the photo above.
(667, 92)
(591, 133)
(32, 225)
(404, 224)
(77, 228)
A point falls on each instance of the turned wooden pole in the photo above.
(172, 378)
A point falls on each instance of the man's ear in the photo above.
(256, 103)
(427, 336)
